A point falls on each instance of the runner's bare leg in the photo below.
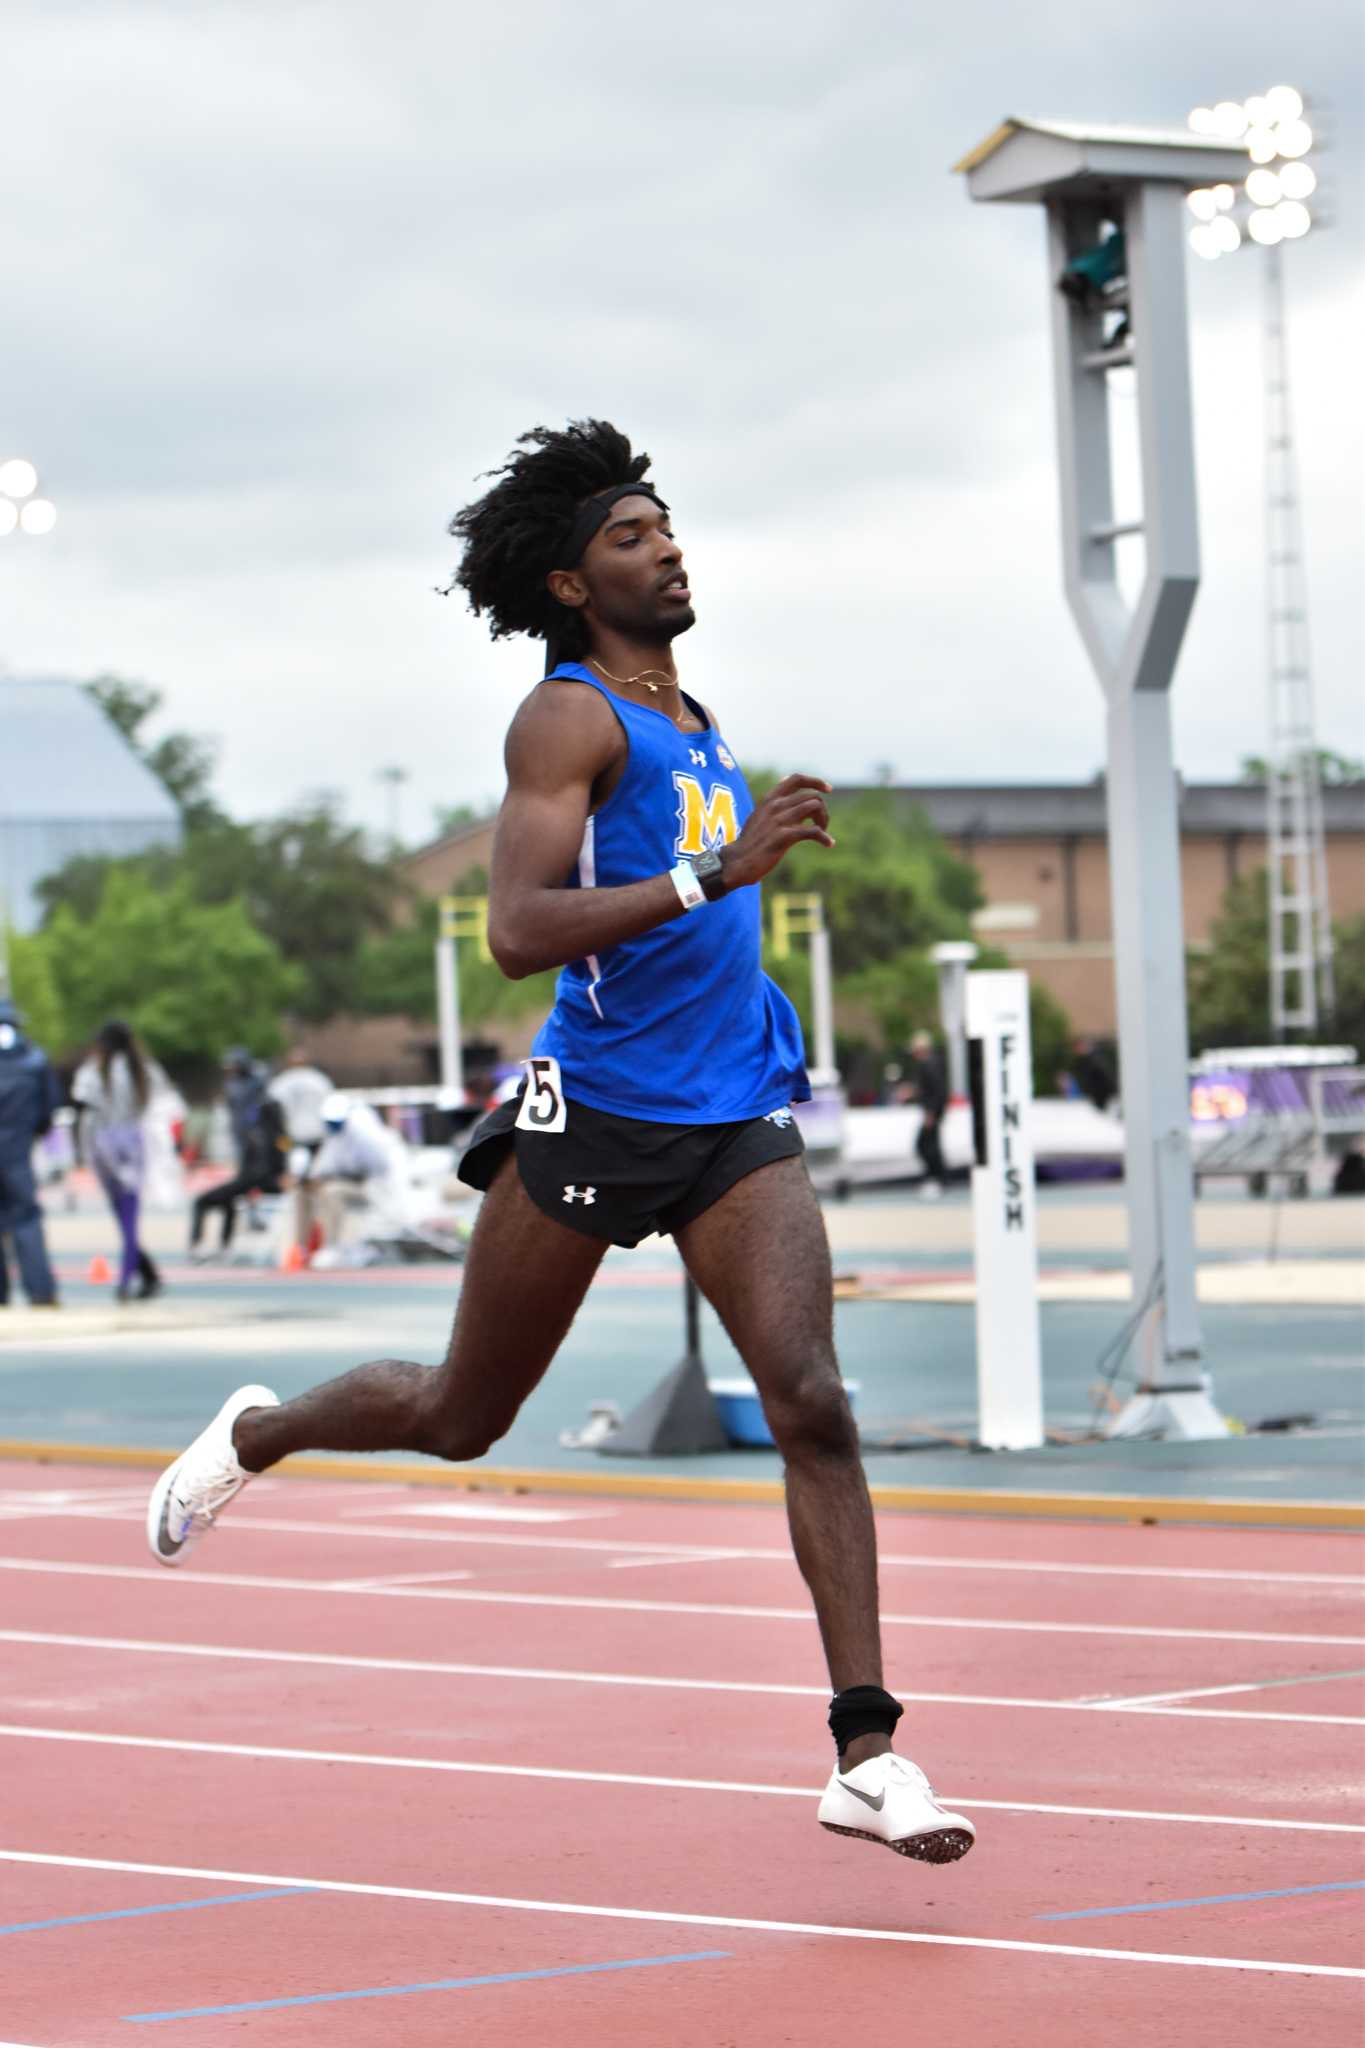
(761, 1258)
(525, 1277)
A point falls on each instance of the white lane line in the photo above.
(639, 1564)
(590, 1912)
(392, 1579)
(490, 1511)
(706, 1609)
(17, 1732)
(621, 1547)
(1213, 1692)
(536, 1673)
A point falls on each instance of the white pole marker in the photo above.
(1004, 1204)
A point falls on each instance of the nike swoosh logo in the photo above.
(876, 1804)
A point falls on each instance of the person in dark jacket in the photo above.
(264, 1158)
(29, 1095)
(927, 1085)
(244, 1080)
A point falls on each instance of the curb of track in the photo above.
(948, 1500)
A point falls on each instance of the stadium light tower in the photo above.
(1116, 223)
(1272, 208)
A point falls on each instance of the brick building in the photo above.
(1042, 853)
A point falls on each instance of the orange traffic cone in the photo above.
(294, 1260)
(98, 1273)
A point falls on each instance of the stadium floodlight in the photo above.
(1227, 234)
(1283, 103)
(18, 478)
(1295, 220)
(20, 511)
(1276, 138)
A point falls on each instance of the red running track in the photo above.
(380, 1765)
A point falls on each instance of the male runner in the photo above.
(627, 853)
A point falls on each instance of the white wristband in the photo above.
(684, 880)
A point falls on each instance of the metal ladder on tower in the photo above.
(1302, 993)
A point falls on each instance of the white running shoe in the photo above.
(889, 1800)
(190, 1494)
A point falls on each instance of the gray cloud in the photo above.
(291, 275)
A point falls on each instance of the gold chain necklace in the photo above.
(642, 677)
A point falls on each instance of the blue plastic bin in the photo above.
(741, 1411)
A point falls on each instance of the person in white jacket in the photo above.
(359, 1165)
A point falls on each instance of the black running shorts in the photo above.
(618, 1178)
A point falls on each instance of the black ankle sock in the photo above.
(862, 1710)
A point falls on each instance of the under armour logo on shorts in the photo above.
(573, 1194)
(780, 1117)
(698, 757)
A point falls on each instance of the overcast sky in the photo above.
(280, 279)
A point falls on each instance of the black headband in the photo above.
(591, 517)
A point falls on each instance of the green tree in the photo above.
(1348, 961)
(892, 888)
(182, 762)
(1333, 767)
(889, 883)
(1229, 985)
(448, 818)
(190, 977)
(34, 991)
(308, 881)
(397, 972)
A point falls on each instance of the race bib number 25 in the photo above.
(542, 1106)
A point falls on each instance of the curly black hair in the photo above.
(514, 535)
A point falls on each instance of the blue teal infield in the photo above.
(1287, 1376)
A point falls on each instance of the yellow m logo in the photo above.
(704, 822)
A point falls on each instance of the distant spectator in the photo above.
(301, 1089)
(1349, 1178)
(265, 1159)
(926, 1084)
(29, 1096)
(358, 1166)
(112, 1090)
(1092, 1073)
(243, 1088)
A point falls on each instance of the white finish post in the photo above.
(825, 1073)
(1009, 1372)
(448, 1013)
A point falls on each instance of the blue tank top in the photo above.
(680, 1025)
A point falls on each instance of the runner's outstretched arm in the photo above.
(561, 751)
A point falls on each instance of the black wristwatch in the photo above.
(709, 870)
